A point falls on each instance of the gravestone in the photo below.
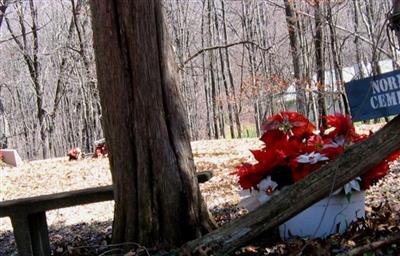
(11, 157)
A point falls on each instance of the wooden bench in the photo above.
(28, 215)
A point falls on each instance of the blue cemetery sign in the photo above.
(375, 96)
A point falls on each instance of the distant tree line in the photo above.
(238, 61)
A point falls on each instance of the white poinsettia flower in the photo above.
(348, 187)
(267, 183)
(251, 199)
(311, 158)
(352, 185)
(266, 189)
(337, 142)
(332, 145)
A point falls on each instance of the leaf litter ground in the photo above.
(86, 230)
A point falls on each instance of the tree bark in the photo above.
(157, 197)
(358, 159)
(3, 8)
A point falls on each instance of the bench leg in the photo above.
(31, 234)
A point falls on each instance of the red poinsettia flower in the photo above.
(378, 171)
(302, 170)
(250, 175)
(289, 123)
(341, 124)
(355, 138)
(331, 149)
(273, 138)
(313, 143)
(293, 148)
(374, 175)
(394, 156)
(271, 156)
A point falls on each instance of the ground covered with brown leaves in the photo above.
(86, 230)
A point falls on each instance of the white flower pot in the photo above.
(325, 217)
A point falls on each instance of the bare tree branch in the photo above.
(21, 35)
(216, 47)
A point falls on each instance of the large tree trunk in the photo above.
(157, 197)
(354, 162)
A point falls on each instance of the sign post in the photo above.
(375, 96)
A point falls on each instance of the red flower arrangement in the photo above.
(101, 148)
(293, 149)
(75, 154)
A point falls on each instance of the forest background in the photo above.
(238, 61)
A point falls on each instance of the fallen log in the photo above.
(356, 160)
